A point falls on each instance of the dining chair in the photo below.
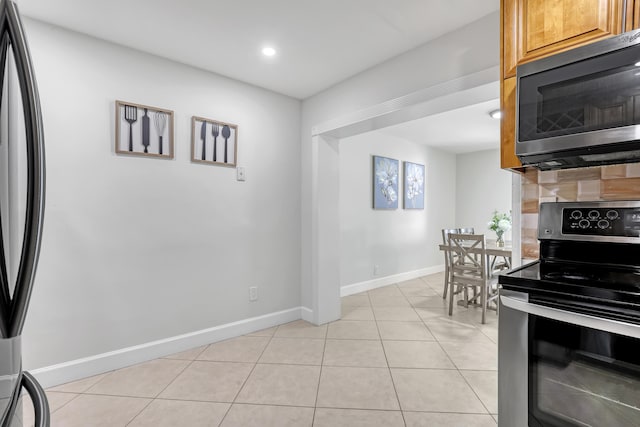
(447, 274)
(468, 271)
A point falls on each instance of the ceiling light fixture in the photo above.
(268, 51)
(637, 64)
(495, 114)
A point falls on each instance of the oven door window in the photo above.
(582, 377)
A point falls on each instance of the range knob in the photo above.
(584, 223)
(594, 214)
(576, 214)
(612, 214)
(603, 223)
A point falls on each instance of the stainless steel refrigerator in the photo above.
(19, 237)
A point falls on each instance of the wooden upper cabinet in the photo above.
(538, 28)
(508, 158)
(632, 20)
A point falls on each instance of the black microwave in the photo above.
(581, 107)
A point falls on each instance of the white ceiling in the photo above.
(319, 43)
(461, 130)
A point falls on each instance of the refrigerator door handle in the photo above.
(39, 399)
(12, 33)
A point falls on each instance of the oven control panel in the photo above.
(596, 221)
(601, 221)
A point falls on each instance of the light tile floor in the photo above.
(395, 359)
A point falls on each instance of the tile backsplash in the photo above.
(615, 182)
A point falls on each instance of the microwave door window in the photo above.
(559, 110)
(598, 93)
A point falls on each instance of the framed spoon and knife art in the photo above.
(213, 142)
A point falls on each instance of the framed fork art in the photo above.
(214, 142)
(143, 130)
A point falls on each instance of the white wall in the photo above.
(481, 188)
(457, 54)
(139, 249)
(400, 240)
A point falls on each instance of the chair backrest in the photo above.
(468, 230)
(446, 232)
(467, 258)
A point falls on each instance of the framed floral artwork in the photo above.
(385, 182)
(413, 186)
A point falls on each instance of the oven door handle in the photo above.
(585, 320)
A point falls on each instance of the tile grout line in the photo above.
(77, 395)
(170, 382)
(439, 344)
(458, 369)
(475, 393)
(247, 378)
(453, 363)
(324, 349)
(106, 374)
(384, 351)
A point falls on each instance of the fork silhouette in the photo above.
(215, 131)
(130, 115)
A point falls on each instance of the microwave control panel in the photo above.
(623, 222)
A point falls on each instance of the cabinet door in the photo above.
(538, 28)
(632, 19)
(508, 158)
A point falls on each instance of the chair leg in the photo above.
(451, 292)
(446, 280)
(483, 299)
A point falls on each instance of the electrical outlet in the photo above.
(376, 269)
(240, 174)
(253, 293)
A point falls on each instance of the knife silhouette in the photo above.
(203, 136)
(145, 131)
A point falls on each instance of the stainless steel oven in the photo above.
(569, 326)
(581, 107)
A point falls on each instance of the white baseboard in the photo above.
(307, 314)
(50, 376)
(388, 280)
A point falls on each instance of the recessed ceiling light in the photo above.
(268, 51)
(495, 114)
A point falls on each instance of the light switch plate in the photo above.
(240, 174)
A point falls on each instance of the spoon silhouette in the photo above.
(226, 133)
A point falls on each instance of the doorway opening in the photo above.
(325, 153)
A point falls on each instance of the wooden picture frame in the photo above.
(214, 142)
(142, 130)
